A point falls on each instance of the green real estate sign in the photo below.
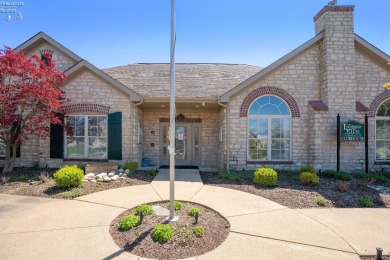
(352, 131)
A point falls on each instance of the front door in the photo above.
(187, 144)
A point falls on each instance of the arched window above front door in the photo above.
(269, 130)
(382, 132)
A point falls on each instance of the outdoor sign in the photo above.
(352, 131)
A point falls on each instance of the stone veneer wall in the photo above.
(86, 87)
(300, 79)
(209, 126)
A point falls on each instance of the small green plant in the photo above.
(343, 176)
(365, 202)
(73, 193)
(128, 222)
(198, 231)
(152, 173)
(162, 233)
(320, 202)
(309, 178)
(131, 166)
(178, 205)
(265, 177)
(373, 176)
(307, 169)
(193, 211)
(145, 209)
(99, 184)
(68, 176)
(230, 175)
(183, 234)
(81, 166)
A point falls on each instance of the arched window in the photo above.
(269, 130)
(382, 133)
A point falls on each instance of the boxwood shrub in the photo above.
(309, 178)
(265, 177)
(69, 176)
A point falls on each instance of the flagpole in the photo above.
(172, 128)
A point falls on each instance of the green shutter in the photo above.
(115, 136)
(56, 141)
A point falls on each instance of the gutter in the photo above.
(227, 132)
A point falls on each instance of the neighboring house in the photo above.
(282, 116)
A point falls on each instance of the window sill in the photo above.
(84, 160)
(269, 162)
(382, 162)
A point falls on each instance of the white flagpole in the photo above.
(172, 129)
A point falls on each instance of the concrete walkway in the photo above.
(39, 228)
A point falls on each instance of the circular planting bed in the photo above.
(185, 237)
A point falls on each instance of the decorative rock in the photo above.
(91, 174)
(98, 177)
(127, 171)
(106, 179)
(122, 178)
(99, 180)
(121, 170)
(114, 178)
(93, 181)
(85, 180)
(111, 174)
(120, 174)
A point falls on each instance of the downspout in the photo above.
(132, 127)
(227, 132)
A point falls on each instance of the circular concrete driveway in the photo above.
(39, 228)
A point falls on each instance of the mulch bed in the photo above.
(291, 193)
(26, 182)
(184, 243)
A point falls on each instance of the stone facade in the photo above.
(336, 72)
(209, 135)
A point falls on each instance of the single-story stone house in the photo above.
(228, 115)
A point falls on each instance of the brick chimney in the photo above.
(337, 53)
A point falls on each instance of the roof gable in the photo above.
(43, 36)
(85, 64)
(225, 97)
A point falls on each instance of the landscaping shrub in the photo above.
(309, 178)
(131, 166)
(152, 173)
(145, 208)
(192, 212)
(68, 176)
(230, 175)
(178, 205)
(81, 166)
(129, 221)
(265, 177)
(365, 202)
(198, 231)
(162, 233)
(344, 176)
(307, 169)
(372, 176)
(320, 202)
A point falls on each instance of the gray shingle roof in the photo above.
(192, 80)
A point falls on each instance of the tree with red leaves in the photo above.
(30, 99)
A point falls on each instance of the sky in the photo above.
(119, 32)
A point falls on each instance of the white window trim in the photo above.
(86, 136)
(376, 119)
(269, 137)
